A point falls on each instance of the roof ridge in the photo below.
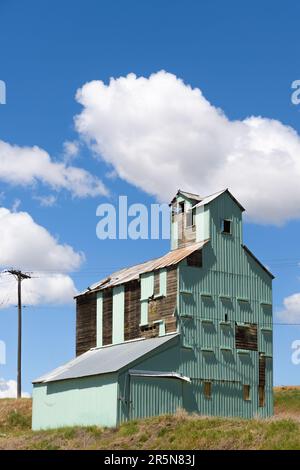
(125, 275)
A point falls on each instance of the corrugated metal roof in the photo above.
(129, 274)
(210, 198)
(105, 360)
(195, 197)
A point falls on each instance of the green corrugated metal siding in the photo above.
(230, 272)
(168, 359)
(152, 396)
(76, 402)
(230, 283)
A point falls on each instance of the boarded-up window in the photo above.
(132, 312)
(107, 317)
(246, 337)
(195, 259)
(150, 331)
(261, 395)
(207, 389)
(246, 392)
(262, 380)
(85, 323)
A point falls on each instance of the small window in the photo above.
(180, 207)
(191, 217)
(195, 259)
(226, 317)
(226, 226)
(246, 392)
(246, 337)
(207, 389)
(261, 395)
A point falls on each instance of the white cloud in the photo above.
(42, 288)
(8, 389)
(71, 150)
(291, 310)
(160, 135)
(46, 201)
(30, 165)
(30, 247)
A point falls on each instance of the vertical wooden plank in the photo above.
(85, 323)
(107, 317)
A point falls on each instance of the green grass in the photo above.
(180, 431)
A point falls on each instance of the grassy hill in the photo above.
(164, 432)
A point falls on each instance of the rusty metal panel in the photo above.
(129, 274)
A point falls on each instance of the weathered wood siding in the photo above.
(163, 308)
(107, 317)
(132, 314)
(160, 308)
(246, 337)
(156, 283)
(85, 323)
(186, 234)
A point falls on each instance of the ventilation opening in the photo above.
(246, 392)
(226, 226)
(261, 395)
(180, 207)
(207, 389)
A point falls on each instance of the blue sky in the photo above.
(243, 57)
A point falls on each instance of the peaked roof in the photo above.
(105, 360)
(133, 272)
(193, 196)
(257, 261)
(214, 196)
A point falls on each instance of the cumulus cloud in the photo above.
(42, 288)
(8, 389)
(160, 135)
(27, 166)
(291, 310)
(30, 247)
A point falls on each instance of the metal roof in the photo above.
(193, 196)
(105, 360)
(211, 198)
(129, 274)
(257, 261)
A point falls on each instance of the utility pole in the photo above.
(20, 277)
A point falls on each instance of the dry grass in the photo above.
(181, 431)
